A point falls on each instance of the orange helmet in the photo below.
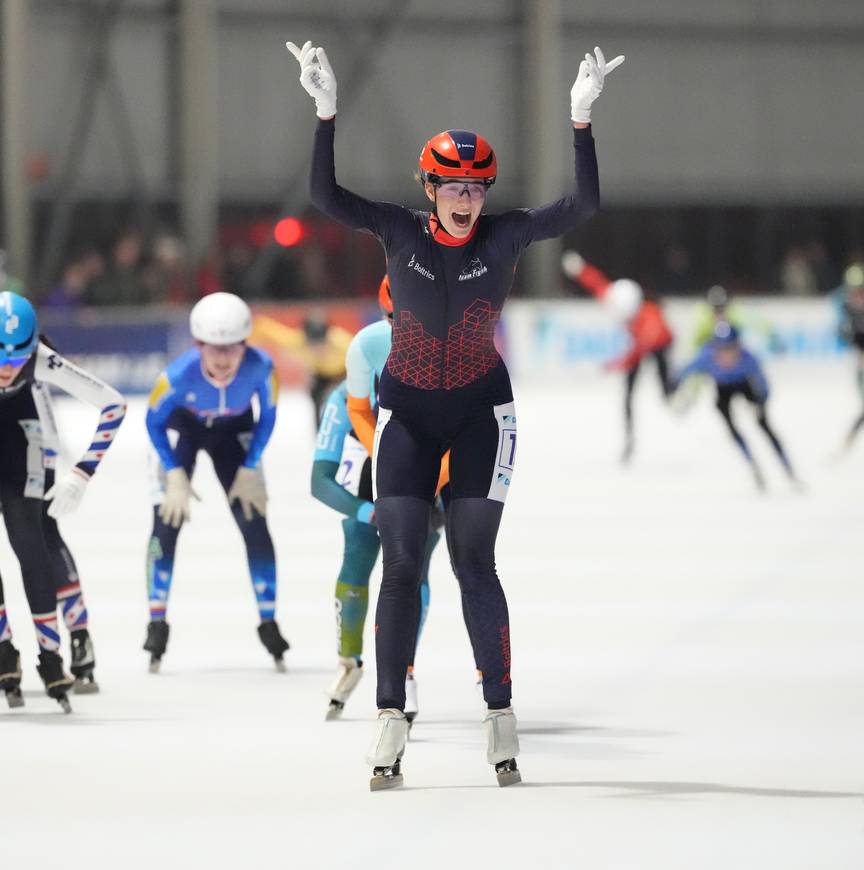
(458, 154)
(385, 300)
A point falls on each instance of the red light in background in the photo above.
(288, 232)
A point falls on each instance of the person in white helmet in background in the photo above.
(650, 334)
(205, 397)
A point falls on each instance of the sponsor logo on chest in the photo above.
(473, 270)
(422, 270)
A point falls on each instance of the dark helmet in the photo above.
(458, 154)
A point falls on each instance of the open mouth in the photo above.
(461, 220)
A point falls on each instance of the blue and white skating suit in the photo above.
(184, 387)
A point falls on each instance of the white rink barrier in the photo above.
(562, 338)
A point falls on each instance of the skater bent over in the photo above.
(445, 387)
(25, 364)
(737, 372)
(205, 398)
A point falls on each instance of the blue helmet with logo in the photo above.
(725, 334)
(19, 331)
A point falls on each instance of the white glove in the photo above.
(175, 503)
(572, 264)
(589, 84)
(249, 489)
(318, 79)
(66, 494)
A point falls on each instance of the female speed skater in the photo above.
(445, 387)
(650, 334)
(26, 365)
(342, 479)
(205, 398)
(736, 372)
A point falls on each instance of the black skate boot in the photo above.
(156, 643)
(10, 674)
(83, 663)
(274, 642)
(57, 683)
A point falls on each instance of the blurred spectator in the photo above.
(122, 283)
(797, 277)
(167, 275)
(78, 277)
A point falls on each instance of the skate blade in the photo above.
(155, 665)
(383, 782)
(85, 687)
(64, 703)
(14, 698)
(281, 667)
(509, 777)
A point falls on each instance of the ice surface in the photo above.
(688, 663)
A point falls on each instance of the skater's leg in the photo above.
(762, 419)
(405, 471)
(162, 544)
(23, 518)
(70, 597)
(481, 466)
(424, 594)
(352, 586)
(472, 527)
(629, 385)
(228, 452)
(404, 525)
(661, 357)
(160, 566)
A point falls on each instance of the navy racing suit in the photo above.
(446, 387)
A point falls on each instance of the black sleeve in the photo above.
(379, 218)
(521, 227)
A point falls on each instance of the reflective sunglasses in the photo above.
(16, 362)
(476, 190)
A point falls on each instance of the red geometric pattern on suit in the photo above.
(416, 356)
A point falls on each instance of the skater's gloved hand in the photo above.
(366, 513)
(174, 509)
(589, 84)
(316, 76)
(572, 263)
(249, 489)
(66, 494)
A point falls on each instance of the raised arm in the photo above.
(356, 212)
(553, 220)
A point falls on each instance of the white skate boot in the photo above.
(349, 675)
(411, 706)
(385, 751)
(502, 745)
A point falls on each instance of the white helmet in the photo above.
(624, 297)
(220, 318)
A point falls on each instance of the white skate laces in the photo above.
(502, 742)
(391, 735)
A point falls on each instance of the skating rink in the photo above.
(688, 664)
